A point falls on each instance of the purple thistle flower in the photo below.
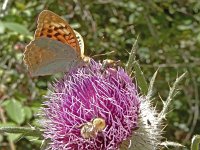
(91, 108)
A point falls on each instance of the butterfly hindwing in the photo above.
(81, 43)
(45, 56)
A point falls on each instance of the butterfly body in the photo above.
(55, 47)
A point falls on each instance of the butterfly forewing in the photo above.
(53, 26)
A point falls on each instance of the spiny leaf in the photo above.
(170, 143)
(131, 59)
(151, 85)
(142, 83)
(172, 93)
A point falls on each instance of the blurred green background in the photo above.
(169, 39)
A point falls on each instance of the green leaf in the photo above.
(142, 83)
(17, 28)
(32, 138)
(15, 111)
(184, 27)
(20, 5)
(1, 138)
(2, 28)
(7, 124)
(75, 25)
(19, 95)
(28, 112)
(13, 136)
(113, 20)
(195, 142)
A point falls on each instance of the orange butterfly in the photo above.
(56, 46)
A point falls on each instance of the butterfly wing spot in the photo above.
(49, 35)
(49, 30)
(56, 34)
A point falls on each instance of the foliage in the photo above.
(169, 39)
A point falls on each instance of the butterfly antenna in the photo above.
(103, 54)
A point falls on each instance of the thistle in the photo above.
(91, 108)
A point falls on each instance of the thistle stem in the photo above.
(27, 131)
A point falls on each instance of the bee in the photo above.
(110, 63)
(92, 128)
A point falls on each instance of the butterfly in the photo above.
(56, 47)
